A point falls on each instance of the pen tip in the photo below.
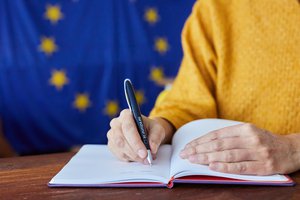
(149, 157)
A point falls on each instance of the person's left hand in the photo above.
(242, 149)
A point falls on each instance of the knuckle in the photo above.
(192, 151)
(115, 122)
(109, 134)
(198, 148)
(215, 134)
(207, 159)
(256, 140)
(266, 152)
(112, 122)
(194, 144)
(224, 168)
(125, 113)
(248, 127)
(241, 169)
(218, 146)
(229, 157)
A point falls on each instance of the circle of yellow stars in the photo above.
(59, 78)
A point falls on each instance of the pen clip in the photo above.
(126, 93)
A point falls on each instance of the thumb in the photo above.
(156, 135)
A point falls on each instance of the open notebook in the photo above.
(95, 166)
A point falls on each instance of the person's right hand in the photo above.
(125, 142)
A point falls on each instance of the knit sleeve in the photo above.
(192, 95)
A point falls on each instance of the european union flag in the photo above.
(62, 65)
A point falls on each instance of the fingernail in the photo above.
(153, 147)
(154, 156)
(142, 153)
(183, 154)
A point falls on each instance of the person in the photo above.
(241, 62)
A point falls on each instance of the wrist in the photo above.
(294, 148)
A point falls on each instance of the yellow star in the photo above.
(82, 102)
(53, 13)
(151, 15)
(140, 97)
(157, 74)
(48, 45)
(111, 108)
(58, 79)
(161, 45)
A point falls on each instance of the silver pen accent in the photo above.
(149, 157)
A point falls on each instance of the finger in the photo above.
(213, 146)
(246, 168)
(116, 143)
(156, 136)
(119, 154)
(229, 156)
(114, 123)
(132, 156)
(187, 151)
(227, 132)
(131, 134)
(218, 145)
(120, 146)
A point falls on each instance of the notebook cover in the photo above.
(221, 180)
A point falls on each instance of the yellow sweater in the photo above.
(241, 62)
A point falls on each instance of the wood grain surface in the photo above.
(27, 177)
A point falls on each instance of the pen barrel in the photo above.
(135, 110)
(142, 131)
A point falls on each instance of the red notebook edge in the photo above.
(229, 181)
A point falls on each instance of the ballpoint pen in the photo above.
(135, 110)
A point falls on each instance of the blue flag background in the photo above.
(62, 65)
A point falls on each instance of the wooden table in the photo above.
(27, 178)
